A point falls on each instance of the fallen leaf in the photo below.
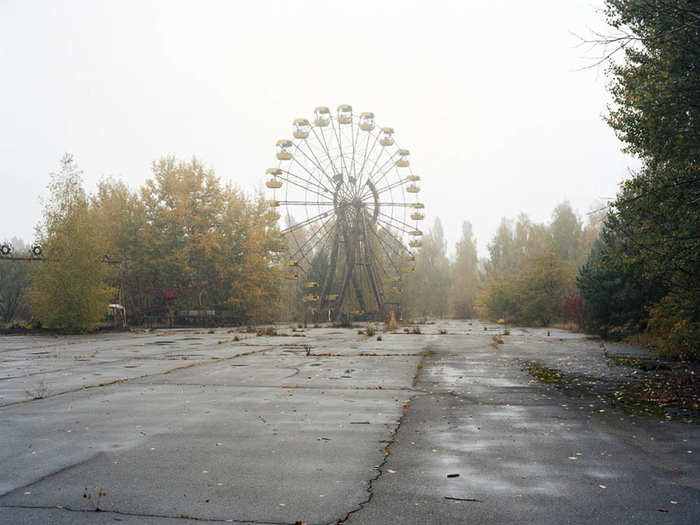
(602, 486)
(674, 502)
(391, 471)
(662, 510)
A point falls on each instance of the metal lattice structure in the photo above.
(348, 197)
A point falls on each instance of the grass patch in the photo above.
(547, 375)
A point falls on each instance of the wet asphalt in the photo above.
(327, 424)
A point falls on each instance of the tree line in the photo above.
(182, 242)
(644, 271)
(529, 276)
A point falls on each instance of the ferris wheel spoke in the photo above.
(303, 203)
(318, 162)
(376, 170)
(382, 172)
(340, 147)
(389, 187)
(315, 163)
(307, 222)
(396, 244)
(312, 242)
(366, 156)
(389, 222)
(303, 184)
(397, 204)
(353, 138)
(325, 149)
(320, 184)
(398, 221)
(386, 250)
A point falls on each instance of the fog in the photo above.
(491, 97)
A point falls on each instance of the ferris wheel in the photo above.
(349, 205)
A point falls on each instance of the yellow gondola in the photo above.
(323, 116)
(413, 178)
(292, 262)
(311, 298)
(367, 121)
(273, 184)
(402, 161)
(332, 297)
(387, 137)
(291, 276)
(395, 290)
(415, 244)
(344, 114)
(301, 128)
(418, 205)
(412, 188)
(396, 278)
(415, 233)
(356, 312)
(273, 203)
(417, 216)
(311, 284)
(284, 149)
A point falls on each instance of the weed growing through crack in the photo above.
(37, 390)
(96, 498)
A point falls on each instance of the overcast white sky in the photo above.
(486, 94)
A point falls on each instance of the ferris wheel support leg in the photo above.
(375, 287)
(358, 293)
(370, 267)
(349, 269)
(330, 275)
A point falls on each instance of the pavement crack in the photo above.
(181, 516)
(389, 443)
(203, 362)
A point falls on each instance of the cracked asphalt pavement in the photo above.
(327, 426)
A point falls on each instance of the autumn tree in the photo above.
(465, 281)
(426, 289)
(68, 289)
(566, 231)
(255, 288)
(531, 273)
